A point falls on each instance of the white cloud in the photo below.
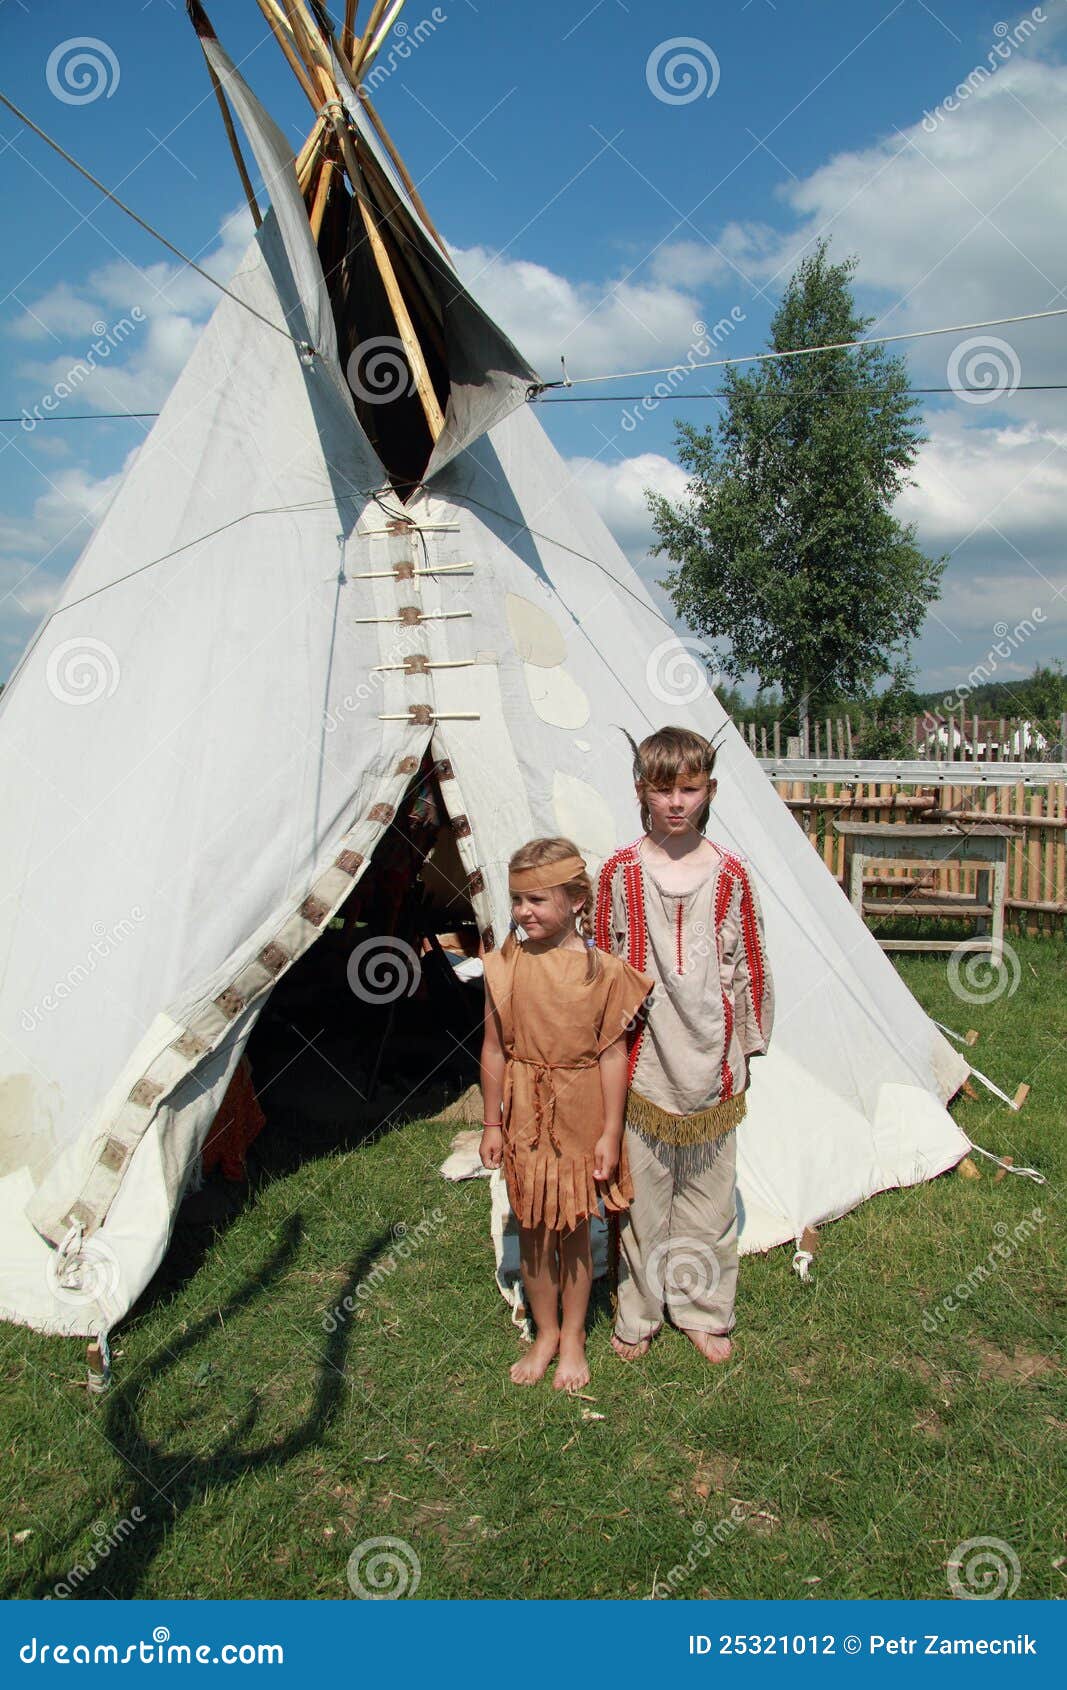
(1009, 481)
(597, 326)
(63, 515)
(145, 320)
(617, 490)
(959, 221)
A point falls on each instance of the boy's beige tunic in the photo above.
(710, 1011)
(554, 1025)
(690, 1065)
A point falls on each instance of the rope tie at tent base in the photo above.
(68, 1265)
(807, 1242)
(1009, 1167)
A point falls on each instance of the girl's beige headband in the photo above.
(545, 875)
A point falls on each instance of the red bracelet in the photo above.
(492, 1123)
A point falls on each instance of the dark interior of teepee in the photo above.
(375, 1025)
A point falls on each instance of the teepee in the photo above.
(347, 544)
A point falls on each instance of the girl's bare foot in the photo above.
(713, 1346)
(572, 1370)
(631, 1352)
(534, 1364)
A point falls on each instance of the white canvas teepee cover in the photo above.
(200, 752)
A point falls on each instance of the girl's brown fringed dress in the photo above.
(554, 1025)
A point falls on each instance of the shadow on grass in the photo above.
(167, 1482)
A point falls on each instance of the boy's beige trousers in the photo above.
(678, 1238)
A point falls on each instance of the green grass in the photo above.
(845, 1453)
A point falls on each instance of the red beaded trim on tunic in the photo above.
(750, 935)
(636, 933)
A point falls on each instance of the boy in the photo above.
(684, 911)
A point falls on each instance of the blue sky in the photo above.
(596, 219)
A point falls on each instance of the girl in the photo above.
(553, 1078)
(686, 911)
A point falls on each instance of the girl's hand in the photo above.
(605, 1156)
(491, 1148)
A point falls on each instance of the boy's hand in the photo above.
(605, 1156)
(491, 1148)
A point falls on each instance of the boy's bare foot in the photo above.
(713, 1346)
(631, 1352)
(534, 1364)
(572, 1370)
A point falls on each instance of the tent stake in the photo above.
(1022, 1091)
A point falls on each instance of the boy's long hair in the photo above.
(535, 854)
(666, 754)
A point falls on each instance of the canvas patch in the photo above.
(273, 958)
(145, 1093)
(537, 638)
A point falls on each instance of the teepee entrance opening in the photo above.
(379, 1022)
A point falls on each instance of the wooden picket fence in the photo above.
(1036, 900)
(946, 738)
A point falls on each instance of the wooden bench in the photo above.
(985, 843)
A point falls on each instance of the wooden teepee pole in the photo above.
(375, 40)
(309, 162)
(420, 374)
(202, 24)
(363, 46)
(308, 37)
(310, 147)
(318, 208)
(348, 33)
(401, 170)
(276, 21)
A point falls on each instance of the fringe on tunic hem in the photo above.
(702, 1128)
